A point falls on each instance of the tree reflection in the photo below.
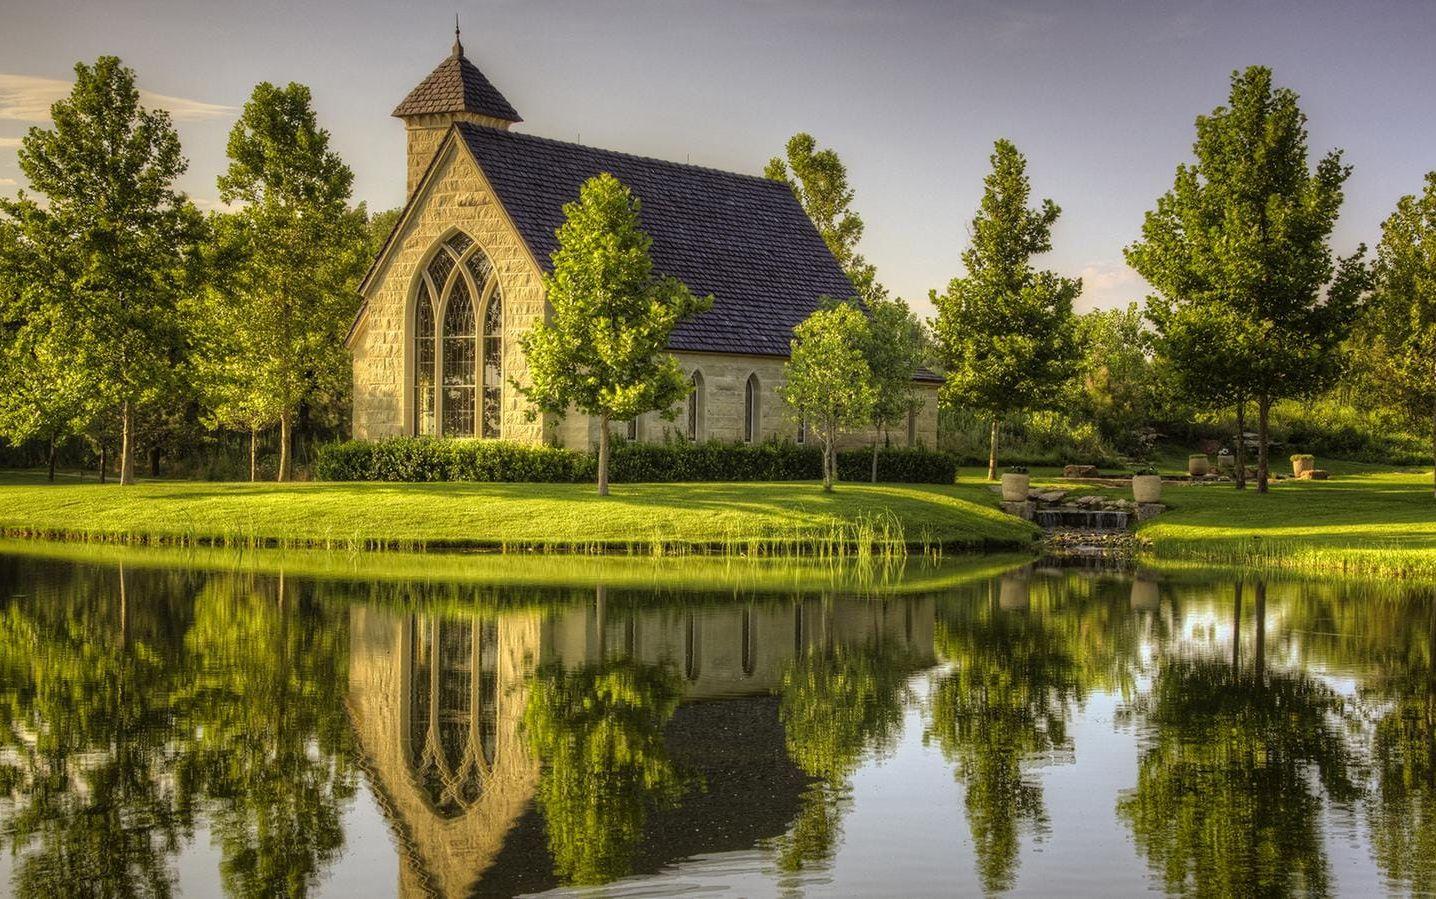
(599, 730)
(1227, 799)
(266, 737)
(1003, 705)
(838, 703)
(88, 738)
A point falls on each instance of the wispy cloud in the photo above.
(27, 98)
(1108, 284)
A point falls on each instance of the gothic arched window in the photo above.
(453, 709)
(457, 290)
(752, 410)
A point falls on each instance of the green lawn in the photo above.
(1363, 522)
(642, 517)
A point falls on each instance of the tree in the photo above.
(45, 397)
(827, 379)
(300, 248)
(603, 349)
(1006, 331)
(1119, 389)
(819, 181)
(894, 350)
(119, 237)
(1402, 324)
(1245, 229)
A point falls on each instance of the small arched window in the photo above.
(802, 429)
(912, 427)
(632, 430)
(752, 410)
(458, 290)
(691, 648)
(695, 406)
(749, 653)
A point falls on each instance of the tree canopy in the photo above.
(603, 350)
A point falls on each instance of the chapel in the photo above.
(459, 280)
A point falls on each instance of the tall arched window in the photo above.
(453, 709)
(752, 410)
(424, 360)
(457, 291)
(695, 406)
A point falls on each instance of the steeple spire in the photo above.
(458, 45)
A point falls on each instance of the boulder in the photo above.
(1080, 471)
(1149, 510)
(1089, 501)
(1026, 510)
(1052, 496)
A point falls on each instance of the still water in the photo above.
(177, 729)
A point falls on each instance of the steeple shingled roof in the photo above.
(457, 85)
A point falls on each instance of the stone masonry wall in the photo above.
(457, 198)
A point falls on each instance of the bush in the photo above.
(427, 459)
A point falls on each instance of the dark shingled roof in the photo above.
(457, 86)
(741, 238)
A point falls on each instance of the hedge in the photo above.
(428, 459)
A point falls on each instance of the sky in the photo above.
(1100, 96)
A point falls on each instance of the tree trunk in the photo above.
(155, 453)
(1241, 444)
(1433, 449)
(104, 462)
(285, 428)
(1263, 451)
(253, 455)
(603, 454)
(875, 460)
(52, 449)
(827, 464)
(127, 445)
(992, 452)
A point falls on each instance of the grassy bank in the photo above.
(1363, 523)
(788, 518)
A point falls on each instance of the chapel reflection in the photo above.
(610, 737)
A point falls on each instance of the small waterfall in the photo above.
(1082, 519)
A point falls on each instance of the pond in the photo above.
(176, 725)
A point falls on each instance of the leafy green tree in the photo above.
(1118, 386)
(894, 350)
(603, 350)
(119, 237)
(1245, 230)
(300, 248)
(819, 180)
(46, 398)
(1402, 323)
(827, 379)
(1006, 330)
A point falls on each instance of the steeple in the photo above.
(456, 91)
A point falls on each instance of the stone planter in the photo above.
(1300, 464)
(1145, 594)
(1227, 462)
(1014, 594)
(1198, 466)
(1014, 487)
(1147, 488)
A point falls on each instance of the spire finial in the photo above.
(458, 46)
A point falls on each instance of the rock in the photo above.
(1024, 510)
(1149, 510)
(1089, 501)
(1080, 471)
(1313, 474)
(1052, 496)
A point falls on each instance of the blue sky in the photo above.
(1100, 96)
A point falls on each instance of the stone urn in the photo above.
(1147, 488)
(1014, 593)
(1014, 487)
(1226, 462)
(1198, 465)
(1145, 594)
(1302, 462)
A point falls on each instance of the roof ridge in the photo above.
(524, 135)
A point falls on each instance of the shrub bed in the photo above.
(426, 459)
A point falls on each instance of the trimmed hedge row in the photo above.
(428, 459)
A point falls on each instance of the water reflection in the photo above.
(524, 740)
